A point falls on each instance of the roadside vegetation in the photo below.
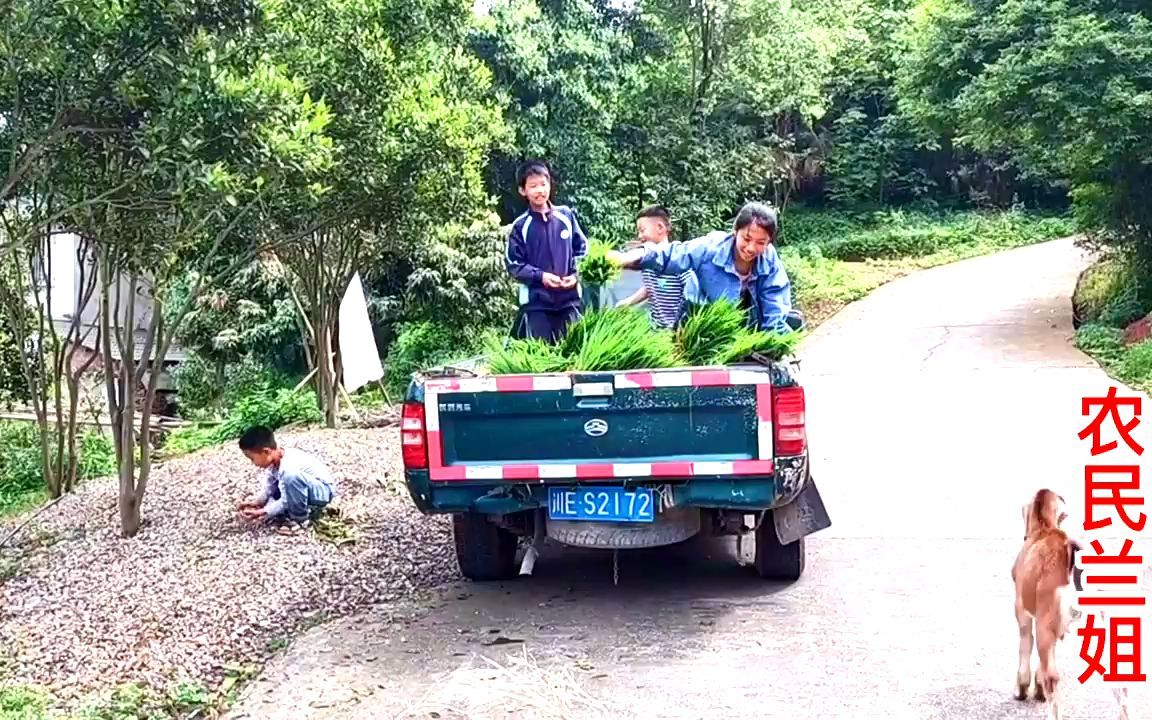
(1111, 296)
(308, 142)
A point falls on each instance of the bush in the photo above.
(13, 385)
(1111, 292)
(815, 277)
(21, 469)
(1135, 367)
(422, 345)
(458, 280)
(1100, 341)
(204, 388)
(269, 405)
(894, 243)
(803, 227)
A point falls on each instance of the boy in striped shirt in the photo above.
(664, 293)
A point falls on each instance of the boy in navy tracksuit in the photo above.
(543, 248)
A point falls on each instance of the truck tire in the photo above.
(774, 560)
(484, 550)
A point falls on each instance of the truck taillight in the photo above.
(413, 441)
(791, 438)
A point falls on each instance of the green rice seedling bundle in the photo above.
(621, 339)
(531, 356)
(773, 346)
(708, 329)
(595, 268)
(589, 322)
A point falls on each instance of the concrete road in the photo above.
(937, 406)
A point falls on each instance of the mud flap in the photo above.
(801, 517)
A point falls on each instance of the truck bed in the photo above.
(599, 425)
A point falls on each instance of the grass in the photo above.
(835, 259)
(123, 702)
(21, 472)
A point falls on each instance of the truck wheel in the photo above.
(774, 560)
(484, 550)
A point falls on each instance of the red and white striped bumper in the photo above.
(639, 380)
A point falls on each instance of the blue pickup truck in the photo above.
(613, 460)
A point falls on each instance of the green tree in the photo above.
(412, 125)
(563, 68)
(1061, 86)
(164, 169)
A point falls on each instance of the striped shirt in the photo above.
(665, 297)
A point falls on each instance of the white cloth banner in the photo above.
(358, 351)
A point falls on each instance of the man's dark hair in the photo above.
(756, 213)
(257, 438)
(655, 211)
(530, 168)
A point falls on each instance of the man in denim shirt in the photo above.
(299, 484)
(742, 266)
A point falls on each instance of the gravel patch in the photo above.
(197, 590)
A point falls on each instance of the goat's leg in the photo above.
(1121, 695)
(1024, 670)
(1047, 676)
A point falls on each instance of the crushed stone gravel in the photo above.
(198, 590)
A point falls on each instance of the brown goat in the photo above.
(1043, 575)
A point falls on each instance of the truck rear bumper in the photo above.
(749, 493)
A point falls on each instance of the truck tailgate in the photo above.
(671, 423)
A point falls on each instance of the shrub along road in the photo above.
(937, 406)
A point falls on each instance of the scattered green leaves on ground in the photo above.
(23, 702)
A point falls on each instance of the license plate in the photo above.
(602, 504)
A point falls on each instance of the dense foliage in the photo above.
(250, 156)
(1059, 87)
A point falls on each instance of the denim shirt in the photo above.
(710, 257)
(300, 481)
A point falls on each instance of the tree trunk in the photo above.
(326, 372)
(129, 509)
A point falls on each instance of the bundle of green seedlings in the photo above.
(620, 339)
(595, 268)
(623, 339)
(528, 357)
(717, 334)
(601, 340)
